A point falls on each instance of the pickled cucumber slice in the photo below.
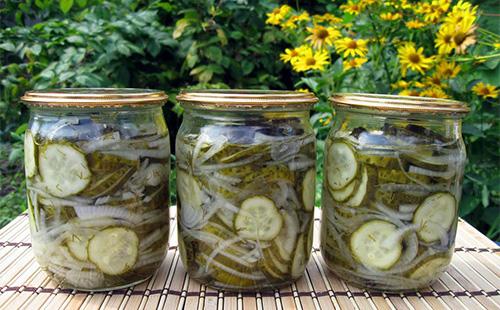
(114, 250)
(309, 189)
(29, 154)
(430, 268)
(285, 241)
(188, 189)
(102, 185)
(369, 246)
(359, 195)
(64, 169)
(299, 258)
(258, 219)
(345, 193)
(434, 216)
(77, 246)
(427, 161)
(343, 166)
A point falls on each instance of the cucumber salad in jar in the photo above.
(390, 199)
(245, 202)
(97, 192)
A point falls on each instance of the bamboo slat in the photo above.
(472, 282)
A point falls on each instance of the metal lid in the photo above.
(246, 98)
(400, 104)
(94, 97)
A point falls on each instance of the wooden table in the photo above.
(472, 282)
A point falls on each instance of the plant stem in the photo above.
(382, 50)
(478, 57)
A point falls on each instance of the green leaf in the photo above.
(247, 67)
(468, 204)
(485, 196)
(8, 46)
(180, 26)
(65, 5)
(81, 3)
(214, 53)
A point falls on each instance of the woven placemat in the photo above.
(472, 282)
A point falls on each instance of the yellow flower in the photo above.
(322, 36)
(414, 59)
(311, 60)
(496, 45)
(414, 24)
(434, 10)
(401, 84)
(278, 14)
(448, 69)
(460, 11)
(290, 23)
(409, 92)
(303, 17)
(353, 63)
(435, 80)
(327, 17)
(444, 41)
(464, 35)
(352, 7)
(303, 90)
(351, 47)
(485, 90)
(391, 16)
(434, 92)
(291, 55)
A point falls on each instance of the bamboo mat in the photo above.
(472, 282)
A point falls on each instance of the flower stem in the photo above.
(477, 57)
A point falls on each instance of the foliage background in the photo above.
(171, 45)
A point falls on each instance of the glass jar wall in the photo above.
(97, 168)
(393, 173)
(246, 187)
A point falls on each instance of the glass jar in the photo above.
(246, 187)
(393, 178)
(97, 169)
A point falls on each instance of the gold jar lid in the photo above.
(94, 97)
(246, 98)
(399, 104)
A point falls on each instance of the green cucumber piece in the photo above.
(299, 258)
(435, 215)
(368, 244)
(188, 190)
(360, 193)
(77, 246)
(345, 193)
(309, 189)
(430, 268)
(64, 169)
(114, 250)
(342, 166)
(258, 219)
(29, 154)
(286, 239)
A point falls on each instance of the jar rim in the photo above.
(94, 97)
(397, 103)
(245, 99)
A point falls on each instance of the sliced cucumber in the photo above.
(299, 258)
(427, 161)
(29, 154)
(114, 250)
(434, 216)
(359, 195)
(156, 174)
(285, 241)
(345, 193)
(369, 246)
(102, 185)
(64, 169)
(188, 189)
(77, 246)
(309, 189)
(258, 219)
(430, 269)
(342, 166)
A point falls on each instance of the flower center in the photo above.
(352, 45)
(459, 38)
(322, 34)
(294, 53)
(310, 61)
(414, 58)
(484, 91)
(447, 38)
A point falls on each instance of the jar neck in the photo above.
(244, 115)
